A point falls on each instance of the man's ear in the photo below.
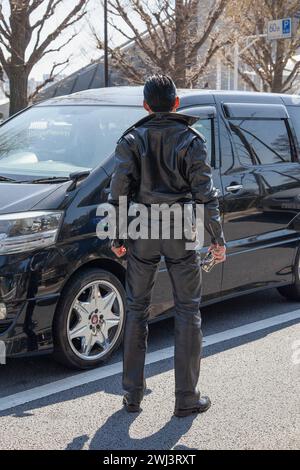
(176, 104)
(147, 107)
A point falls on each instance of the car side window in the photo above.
(261, 141)
(294, 112)
(204, 126)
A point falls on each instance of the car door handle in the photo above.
(234, 187)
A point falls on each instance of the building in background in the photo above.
(90, 76)
(4, 104)
(4, 109)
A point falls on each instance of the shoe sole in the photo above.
(188, 412)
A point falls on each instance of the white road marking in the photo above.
(97, 374)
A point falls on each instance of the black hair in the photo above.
(160, 93)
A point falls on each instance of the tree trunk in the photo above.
(18, 74)
(277, 81)
(180, 59)
(18, 84)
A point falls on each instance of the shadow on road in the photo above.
(115, 434)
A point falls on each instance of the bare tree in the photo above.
(174, 39)
(272, 61)
(22, 34)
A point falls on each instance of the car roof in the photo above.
(133, 96)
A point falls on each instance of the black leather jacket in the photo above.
(161, 159)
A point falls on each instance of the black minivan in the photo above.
(61, 287)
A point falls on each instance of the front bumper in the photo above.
(30, 286)
(29, 329)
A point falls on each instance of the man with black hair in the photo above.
(162, 160)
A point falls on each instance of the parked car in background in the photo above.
(61, 288)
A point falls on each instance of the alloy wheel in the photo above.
(95, 320)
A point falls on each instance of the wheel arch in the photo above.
(102, 263)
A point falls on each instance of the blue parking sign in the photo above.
(286, 26)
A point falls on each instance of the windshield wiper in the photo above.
(74, 177)
(9, 180)
(51, 179)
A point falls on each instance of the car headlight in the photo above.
(26, 231)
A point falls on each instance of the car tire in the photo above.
(292, 291)
(89, 321)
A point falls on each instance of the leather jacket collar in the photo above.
(164, 117)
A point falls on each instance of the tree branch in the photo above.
(75, 15)
(213, 16)
(50, 79)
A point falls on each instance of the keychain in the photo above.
(208, 262)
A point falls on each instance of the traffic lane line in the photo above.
(84, 378)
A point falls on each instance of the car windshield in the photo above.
(54, 141)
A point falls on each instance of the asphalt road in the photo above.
(251, 370)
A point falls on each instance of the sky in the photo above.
(82, 49)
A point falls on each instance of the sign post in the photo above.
(277, 29)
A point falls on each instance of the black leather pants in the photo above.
(185, 273)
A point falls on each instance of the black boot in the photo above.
(130, 405)
(201, 406)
